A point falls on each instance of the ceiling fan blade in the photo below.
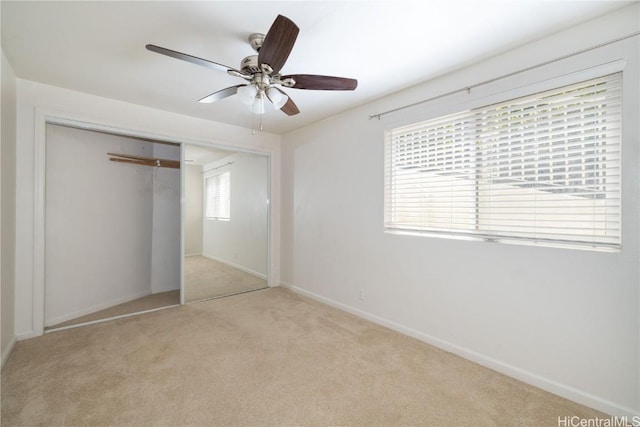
(289, 108)
(278, 43)
(221, 94)
(314, 82)
(190, 58)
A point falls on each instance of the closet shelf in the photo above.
(144, 161)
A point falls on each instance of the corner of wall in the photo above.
(6, 352)
(8, 124)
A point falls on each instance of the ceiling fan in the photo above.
(262, 71)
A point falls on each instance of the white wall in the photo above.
(99, 218)
(243, 240)
(8, 205)
(565, 320)
(165, 245)
(193, 210)
(37, 103)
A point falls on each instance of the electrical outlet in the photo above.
(361, 294)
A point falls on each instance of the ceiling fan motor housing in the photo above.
(256, 41)
(250, 64)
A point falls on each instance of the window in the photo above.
(218, 197)
(541, 169)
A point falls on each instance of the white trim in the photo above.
(183, 178)
(46, 116)
(122, 316)
(236, 266)
(197, 254)
(89, 310)
(525, 376)
(39, 220)
(7, 352)
(270, 239)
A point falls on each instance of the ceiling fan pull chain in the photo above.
(253, 123)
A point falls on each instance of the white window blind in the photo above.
(544, 168)
(218, 196)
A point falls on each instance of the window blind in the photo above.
(218, 196)
(544, 168)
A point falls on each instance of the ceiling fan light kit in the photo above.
(277, 98)
(262, 71)
(247, 94)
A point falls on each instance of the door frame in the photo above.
(45, 117)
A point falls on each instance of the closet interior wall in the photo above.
(112, 231)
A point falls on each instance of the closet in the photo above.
(112, 228)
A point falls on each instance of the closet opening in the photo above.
(113, 224)
(112, 244)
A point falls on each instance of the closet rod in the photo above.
(145, 161)
(504, 76)
(157, 163)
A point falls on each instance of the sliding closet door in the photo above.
(226, 225)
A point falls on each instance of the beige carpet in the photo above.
(150, 302)
(261, 358)
(205, 278)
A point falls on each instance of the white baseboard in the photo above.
(166, 289)
(198, 254)
(239, 267)
(546, 384)
(94, 308)
(7, 352)
(26, 335)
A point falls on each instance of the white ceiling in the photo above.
(98, 47)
